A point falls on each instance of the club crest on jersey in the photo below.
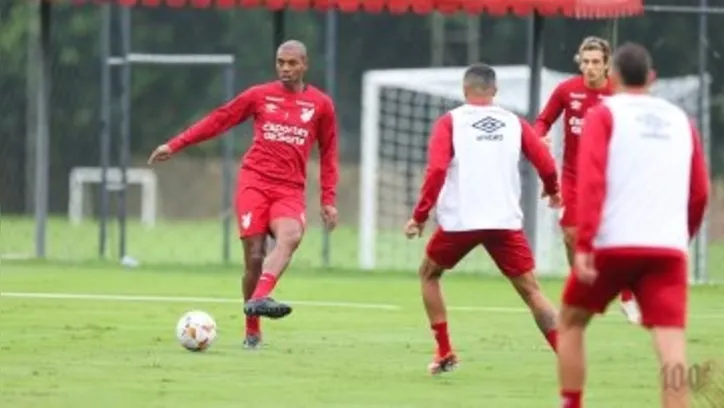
(246, 220)
(576, 105)
(270, 107)
(307, 114)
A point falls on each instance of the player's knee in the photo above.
(573, 317)
(569, 236)
(289, 238)
(526, 285)
(430, 270)
(254, 253)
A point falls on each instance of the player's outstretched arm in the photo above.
(214, 124)
(591, 183)
(698, 185)
(328, 164)
(550, 113)
(540, 158)
(439, 155)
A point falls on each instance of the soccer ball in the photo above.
(196, 330)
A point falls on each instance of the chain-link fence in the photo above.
(190, 204)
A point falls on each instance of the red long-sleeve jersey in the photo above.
(473, 156)
(643, 179)
(286, 125)
(572, 98)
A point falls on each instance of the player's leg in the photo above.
(444, 251)
(254, 252)
(580, 302)
(287, 228)
(569, 239)
(571, 354)
(568, 215)
(512, 254)
(252, 211)
(662, 294)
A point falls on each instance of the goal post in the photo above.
(398, 109)
(80, 177)
(117, 179)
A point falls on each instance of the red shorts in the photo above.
(508, 248)
(258, 202)
(568, 216)
(657, 278)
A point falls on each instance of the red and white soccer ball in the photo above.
(196, 330)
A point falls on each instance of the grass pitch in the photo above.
(354, 340)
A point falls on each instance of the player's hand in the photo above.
(584, 267)
(413, 228)
(329, 216)
(161, 153)
(547, 140)
(555, 201)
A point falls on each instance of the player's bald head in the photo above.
(632, 63)
(480, 79)
(293, 47)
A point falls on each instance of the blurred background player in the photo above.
(473, 180)
(289, 117)
(573, 98)
(635, 150)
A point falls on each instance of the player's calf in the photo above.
(288, 234)
(569, 240)
(670, 346)
(543, 311)
(430, 273)
(254, 252)
(571, 360)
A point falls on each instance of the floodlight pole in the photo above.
(227, 154)
(105, 125)
(42, 143)
(125, 143)
(330, 82)
(535, 62)
(700, 245)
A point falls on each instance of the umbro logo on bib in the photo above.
(489, 124)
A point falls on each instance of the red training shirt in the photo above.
(286, 125)
(572, 98)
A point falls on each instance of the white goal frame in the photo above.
(447, 83)
(146, 178)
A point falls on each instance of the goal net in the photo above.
(398, 109)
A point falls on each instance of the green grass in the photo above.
(200, 243)
(91, 353)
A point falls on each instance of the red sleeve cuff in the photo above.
(176, 144)
(420, 216)
(328, 201)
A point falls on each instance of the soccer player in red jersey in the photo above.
(643, 189)
(289, 116)
(573, 98)
(473, 180)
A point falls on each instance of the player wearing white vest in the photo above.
(643, 189)
(473, 180)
